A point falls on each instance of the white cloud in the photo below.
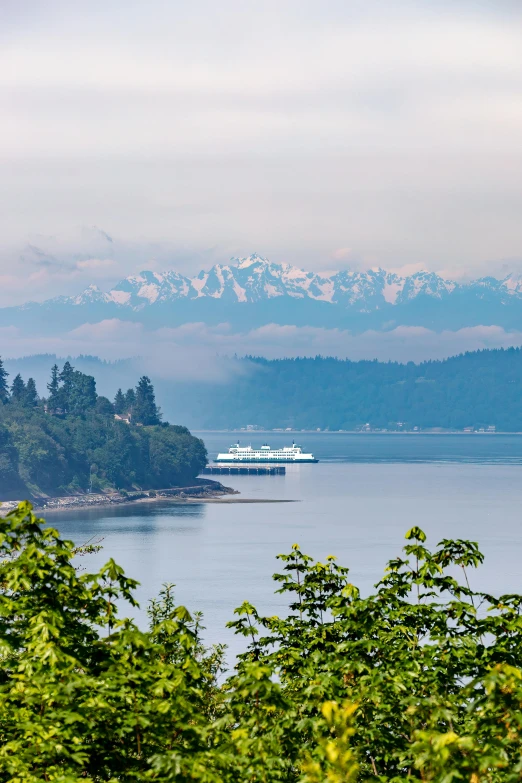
(108, 331)
(341, 253)
(196, 350)
(95, 263)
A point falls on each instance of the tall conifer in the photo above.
(18, 390)
(130, 401)
(31, 395)
(145, 410)
(53, 388)
(4, 391)
(67, 379)
(119, 402)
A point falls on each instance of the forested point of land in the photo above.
(418, 681)
(75, 440)
(478, 389)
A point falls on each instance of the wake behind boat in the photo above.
(293, 453)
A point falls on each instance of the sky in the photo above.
(345, 134)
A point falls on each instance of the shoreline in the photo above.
(204, 489)
(207, 491)
(290, 433)
(171, 501)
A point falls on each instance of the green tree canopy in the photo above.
(4, 389)
(31, 395)
(67, 378)
(18, 390)
(145, 410)
(104, 406)
(130, 400)
(120, 405)
(418, 681)
(51, 449)
(53, 388)
(82, 393)
(9, 476)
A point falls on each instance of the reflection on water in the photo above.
(357, 507)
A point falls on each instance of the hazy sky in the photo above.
(328, 134)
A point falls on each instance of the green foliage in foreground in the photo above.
(418, 681)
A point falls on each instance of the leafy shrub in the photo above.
(418, 681)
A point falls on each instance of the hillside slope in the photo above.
(478, 389)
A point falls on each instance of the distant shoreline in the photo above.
(293, 433)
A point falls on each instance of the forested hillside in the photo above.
(75, 440)
(477, 389)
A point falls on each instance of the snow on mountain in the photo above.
(147, 288)
(91, 294)
(427, 283)
(256, 279)
(512, 285)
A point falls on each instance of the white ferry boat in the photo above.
(237, 453)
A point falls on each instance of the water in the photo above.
(357, 503)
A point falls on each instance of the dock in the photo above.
(244, 470)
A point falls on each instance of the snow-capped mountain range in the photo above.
(254, 279)
(251, 292)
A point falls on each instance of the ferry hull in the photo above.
(279, 461)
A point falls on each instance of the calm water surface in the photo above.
(357, 503)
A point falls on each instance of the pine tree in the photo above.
(54, 388)
(4, 391)
(31, 395)
(18, 390)
(130, 401)
(119, 402)
(67, 379)
(145, 410)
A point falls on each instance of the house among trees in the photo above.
(75, 440)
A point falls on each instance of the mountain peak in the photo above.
(255, 279)
(244, 263)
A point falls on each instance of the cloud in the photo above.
(341, 253)
(110, 330)
(95, 263)
(197, 351)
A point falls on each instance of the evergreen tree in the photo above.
(54, 388)
(31, 395)
(56, 453)
(104, 406)
(145, 410)
(120, 405)
(67, 379)
(18, 390)
(82, 395)
(4, 391)
(9, 476)
(130, 401)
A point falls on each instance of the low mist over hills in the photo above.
(480, 390)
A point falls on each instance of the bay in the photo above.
(356, 503)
